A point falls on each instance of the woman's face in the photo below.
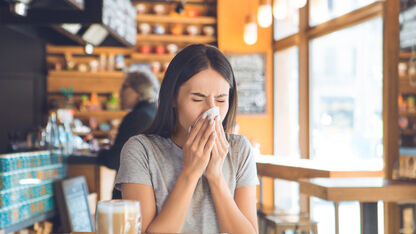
(129, 97)
(201, 92)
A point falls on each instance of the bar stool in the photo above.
(278, 224)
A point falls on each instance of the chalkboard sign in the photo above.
(249, 71)
(408, 28)
(72, 200)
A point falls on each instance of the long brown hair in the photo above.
(187, 63)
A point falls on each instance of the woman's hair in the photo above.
(144, 83)
(187, 63)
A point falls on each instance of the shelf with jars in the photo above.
(164, 28)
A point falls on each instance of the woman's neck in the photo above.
(179, 138)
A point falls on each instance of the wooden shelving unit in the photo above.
(176, 39)
(84, 82)
(139, 57)
(106, 82)
(151, 18)
(101, 116)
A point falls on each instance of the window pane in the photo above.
(286, 19)
(286, 122)
(286, 103)
(346, 94)
(324, 10)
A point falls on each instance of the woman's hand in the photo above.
(197, 148)
(218, 154)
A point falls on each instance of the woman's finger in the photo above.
(195, 130)
(221, 134)
(210, 143)
(205, 133)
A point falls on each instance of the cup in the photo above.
(118, 217)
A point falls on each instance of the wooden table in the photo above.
(368, 191)
(281, 167)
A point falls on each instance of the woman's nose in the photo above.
(211, 102)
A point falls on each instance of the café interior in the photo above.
(326, 97)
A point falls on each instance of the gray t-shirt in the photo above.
(157, 161)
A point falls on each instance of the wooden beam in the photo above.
(286, 42)
(391, 41)
(350, 19)
(304, 95)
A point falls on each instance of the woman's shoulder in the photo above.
(236, 140)
(146, 139)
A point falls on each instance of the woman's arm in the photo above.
(196, 153)
(238, 214)
(172, 217)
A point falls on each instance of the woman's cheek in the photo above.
(223, 110)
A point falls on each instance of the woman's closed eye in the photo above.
(199, 100)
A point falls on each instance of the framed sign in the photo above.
(249, 71)
(72, 200)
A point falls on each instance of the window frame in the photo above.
(388, 10)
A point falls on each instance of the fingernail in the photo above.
(189, 129)
(211, 121)
(204, 116)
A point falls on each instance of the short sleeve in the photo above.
(134, 164)
(246, 172)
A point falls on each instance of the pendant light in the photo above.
(300, 3)
(250, 30)
(264, 14)
(280, 9)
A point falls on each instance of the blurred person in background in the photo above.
(138, 94)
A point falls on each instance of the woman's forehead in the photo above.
(206, 81)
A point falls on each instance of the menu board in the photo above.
(72, 199)
(249, 71)
(408, 28)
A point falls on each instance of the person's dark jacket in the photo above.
(134, 123)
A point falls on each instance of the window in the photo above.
(286, 102)
(324, 10)
(286, 20)
(346, 93)
(287, 122)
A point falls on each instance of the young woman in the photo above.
(192, 177)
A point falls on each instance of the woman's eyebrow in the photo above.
(202, 95)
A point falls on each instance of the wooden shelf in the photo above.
(50, 49)
(101, 116)
(176, 39)
(408, 114)
(151, 57)
(152, 18)
(405, 87)
(408, 132)
(85, 82)
(405, 55)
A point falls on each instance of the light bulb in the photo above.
(264, 15)
(280, 9)
(250, 31)
(300, 3)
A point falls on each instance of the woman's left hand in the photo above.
(218, 154)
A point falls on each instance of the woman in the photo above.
(192, 178)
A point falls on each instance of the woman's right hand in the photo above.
(197, 148)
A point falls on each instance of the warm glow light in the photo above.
(280, 9)
(264, 15)
(250, 31)
(300, 3)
